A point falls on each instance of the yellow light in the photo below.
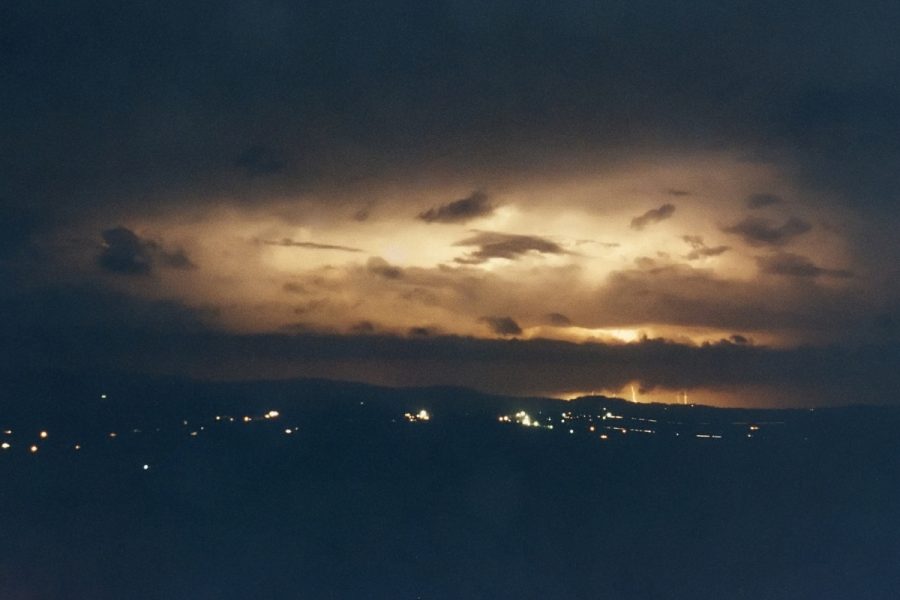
(112, 434)
(43, 435)
(33, 449)
(603, 436)
(289, 431)
(78, 446)
(272, 414)
(5, 445)
(247, 419)
(423, 415)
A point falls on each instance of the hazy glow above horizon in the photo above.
(642, 250)
(298, 265)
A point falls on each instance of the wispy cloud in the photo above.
(759, 231)
(475, 206)
(505, 245)
(654, 215)
(289, 243)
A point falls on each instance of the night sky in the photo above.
(526, 198)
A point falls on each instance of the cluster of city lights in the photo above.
(34, 445)
(422, 415)
(607, 423)
(604, 425)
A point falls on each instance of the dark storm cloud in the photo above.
(289, 243)
(654, 215)
(700, 249)
(502, 325)
(558, 320)
(760, 231)
(755, 201)
(794, 265)
(153, 103)
(147, 107)
(460, 211)
(505, 245)
(124, 252)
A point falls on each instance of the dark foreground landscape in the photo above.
(175, 489)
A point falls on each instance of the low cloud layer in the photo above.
(502, 325)
(183, 345)
(558, 319)
(379, 266)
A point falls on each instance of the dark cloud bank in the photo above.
(78, 329)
